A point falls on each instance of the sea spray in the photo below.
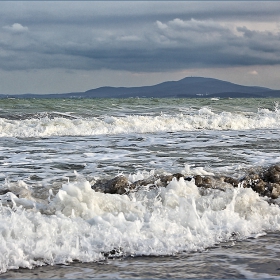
(83, 224)
(202, 119)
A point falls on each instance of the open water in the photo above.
(53, 225)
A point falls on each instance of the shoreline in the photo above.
(246, 259)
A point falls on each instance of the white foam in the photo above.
(189, 170)
(82, 223)
(203, 118)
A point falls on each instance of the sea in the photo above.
(54, 225)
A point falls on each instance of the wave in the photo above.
(80, 224)
(204, 118)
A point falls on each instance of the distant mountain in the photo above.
(190, 87)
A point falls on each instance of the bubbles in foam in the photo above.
(82, 224)
(203, 118)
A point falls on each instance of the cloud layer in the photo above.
(16, 27)
(93, 36)
(87, 44)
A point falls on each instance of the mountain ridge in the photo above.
(188, 87)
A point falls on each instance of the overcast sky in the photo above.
(55, 47)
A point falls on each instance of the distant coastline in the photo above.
(189, 87)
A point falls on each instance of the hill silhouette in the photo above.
(189, 87)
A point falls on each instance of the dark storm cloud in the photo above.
(79, 12)
(157, 36)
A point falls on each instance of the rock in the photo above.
(275, 193)
(145, 182)
(250, 180)
(259, 186)
(117, 185)
(265, 182)
(166, 179)
(116, 252)
(232, 181)
(215, 182)
(253, 176)
(256, 183)
(157, 181)
(272, 174)
(120, 184)
(198, 180)
(204, 181)
(4, 191)
(188, 178)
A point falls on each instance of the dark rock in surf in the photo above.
(265, 182)
(215, 182)
(272, 174)
(115, 253)
(204, 181)
(117, 185)
(120, 184)
(156, 181)
(4, 191)
(143, 183)
(234, 182)
(275, 192)
(259, 186)
(166, 179)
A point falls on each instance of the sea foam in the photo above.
(81, 224)
(203, 118)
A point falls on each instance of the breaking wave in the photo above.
(80, 224)
(200, 119)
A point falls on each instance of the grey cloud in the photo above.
(102, 13)
(135, 37)
(16, 28)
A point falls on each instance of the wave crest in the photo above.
(200, 119)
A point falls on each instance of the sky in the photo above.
(74, 46)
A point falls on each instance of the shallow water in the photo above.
(248, 259)
(52, 151)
